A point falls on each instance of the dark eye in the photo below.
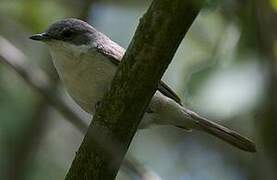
(67, 34)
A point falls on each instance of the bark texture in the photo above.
(154, 44)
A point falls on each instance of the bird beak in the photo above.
(40, 37)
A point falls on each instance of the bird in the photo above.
(86, 61)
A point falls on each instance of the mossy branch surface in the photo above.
(153, 46)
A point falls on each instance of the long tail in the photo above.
(221, 132)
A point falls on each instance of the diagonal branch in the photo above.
(38, 80)
(157, 38)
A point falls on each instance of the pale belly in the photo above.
(86, 80)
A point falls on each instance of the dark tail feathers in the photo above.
(221, 132)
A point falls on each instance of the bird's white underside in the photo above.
(87, 75)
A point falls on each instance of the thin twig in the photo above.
(38, 80)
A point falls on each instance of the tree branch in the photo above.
(157, 38)
(39, 81)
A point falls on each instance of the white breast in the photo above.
(85, 73)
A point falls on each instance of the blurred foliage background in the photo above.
(225, 69)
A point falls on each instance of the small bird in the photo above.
(86, 61)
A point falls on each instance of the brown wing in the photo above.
(167, 91)
(114, 52)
